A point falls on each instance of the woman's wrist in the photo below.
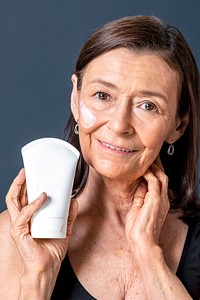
(147, 252)
(151, 257)
(156, 273)
(37, 285)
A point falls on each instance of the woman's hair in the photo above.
(148, 34)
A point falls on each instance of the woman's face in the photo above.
(126, 109)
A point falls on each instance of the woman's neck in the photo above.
(110, 197)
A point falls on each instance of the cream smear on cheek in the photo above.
(87, 117)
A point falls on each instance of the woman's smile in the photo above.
(116, 149)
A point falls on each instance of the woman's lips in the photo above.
(117, 148)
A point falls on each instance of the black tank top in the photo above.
(68, 287)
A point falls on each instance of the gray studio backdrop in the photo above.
(39, 44)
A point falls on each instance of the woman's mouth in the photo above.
(117, 148)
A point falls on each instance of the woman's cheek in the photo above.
(91, 118)
(87, 119)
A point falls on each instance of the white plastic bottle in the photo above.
(50, 166)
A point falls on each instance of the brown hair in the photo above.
(150, 35)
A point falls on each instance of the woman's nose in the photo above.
(120, 120)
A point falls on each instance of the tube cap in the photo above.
(48, 228)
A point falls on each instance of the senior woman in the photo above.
(133, 234)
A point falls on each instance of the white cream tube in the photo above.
(50, 166)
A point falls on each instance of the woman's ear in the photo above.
(181, 125)
(74, 98)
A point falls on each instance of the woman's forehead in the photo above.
(125, 65)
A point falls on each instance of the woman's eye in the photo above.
(102, 96)
(149, 106)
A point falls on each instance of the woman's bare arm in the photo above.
(143, 226)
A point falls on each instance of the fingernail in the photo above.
(21, 174)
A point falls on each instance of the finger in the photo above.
(163, 178)
(157, 189)
(12, 197)
(158, 163)
(20, 225)
(137, 220)
(156, 201)
(29, 210)
(18, 181)
(23, 196)
(137, 203)
(141, 189)
(72, 216)
(153, 183)
(158, 170)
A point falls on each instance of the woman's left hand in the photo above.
(150, 206)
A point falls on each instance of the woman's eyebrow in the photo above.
(103, 82)
(141, 92)
(153, 94)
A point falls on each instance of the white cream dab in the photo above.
(88, 119)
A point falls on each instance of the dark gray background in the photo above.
(39, 44)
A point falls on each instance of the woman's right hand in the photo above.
(39, 256)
